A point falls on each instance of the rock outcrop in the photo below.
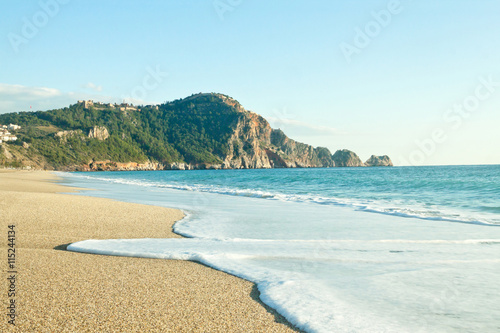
(64, 135)
(376, 161)
(108, 165)
(178, 166)
(99, 133)
(347, 158)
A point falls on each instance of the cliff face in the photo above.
(298, 154)
(254, 144)
(375, 161)
(347, 158)
(248, 143)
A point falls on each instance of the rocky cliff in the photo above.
(254, 144)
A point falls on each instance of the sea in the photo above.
(401, 249)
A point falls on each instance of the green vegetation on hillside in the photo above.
(192, 130)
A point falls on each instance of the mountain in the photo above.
(203, 131)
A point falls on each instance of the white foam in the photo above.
(293, 276)
(328, 268)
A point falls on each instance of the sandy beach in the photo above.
(61, 291)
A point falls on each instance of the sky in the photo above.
(416, 80)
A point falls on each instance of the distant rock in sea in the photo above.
(347, 158)
(376, 161)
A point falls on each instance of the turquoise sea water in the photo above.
(404, 249)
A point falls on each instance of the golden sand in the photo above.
(61, 291)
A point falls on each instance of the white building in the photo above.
(6, 136)
(13, 127)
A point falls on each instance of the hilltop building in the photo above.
(87, 104)
(127, 107)
(100, 105)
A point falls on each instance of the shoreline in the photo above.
(62, 290)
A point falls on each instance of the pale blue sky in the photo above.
(282, 59)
